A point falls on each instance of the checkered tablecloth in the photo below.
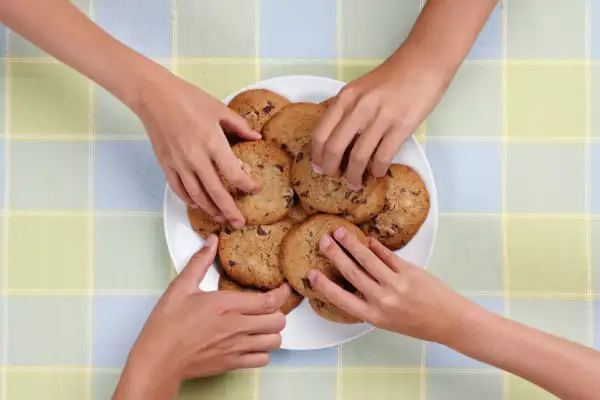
(514, 145)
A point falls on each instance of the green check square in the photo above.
(237, 385)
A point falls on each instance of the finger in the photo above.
(229, 166)
(338, 141)
(322, 131)
(338, 296)
(196, 191)
(261, 324)
(259, 343)
(177, 186)
(363, 151)
(263, 303)
(220, 196)
(365, 257)
(355, 275)
(233, 122)
(200, 262)
(387, 150)
(250, 360)
(388, 257)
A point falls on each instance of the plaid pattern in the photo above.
(514, 145)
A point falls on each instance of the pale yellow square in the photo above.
(381, 385)
(46, 385)
(219, 80)
(48, 98)
(48, 252)
(230, 386)
(546, 101)
(546, 255)
(350, 72)
(520, 389)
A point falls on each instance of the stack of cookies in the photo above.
(296, 207)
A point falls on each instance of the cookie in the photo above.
(291, 128)
(369, 209)
(405, 210)
(266, 164)
(202, 223)
(293, 300)
(250, 256)
(257, 106)
(333, 313)
(324, 193)
(300, 252)
(299, 213)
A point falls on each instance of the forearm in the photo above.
(566, 369)
(61, 30)
(444, 33)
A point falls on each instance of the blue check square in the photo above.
(488, 45)
(595, 22)
(298, 29)
(127, 176)
(117, 324)
(306, 358)
(467, 175)
(144, 25)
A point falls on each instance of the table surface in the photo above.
(514, 146)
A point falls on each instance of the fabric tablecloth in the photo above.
(514, 146)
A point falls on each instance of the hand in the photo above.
(398, 296)
(185, 126)
(192, 333)
(384, 108)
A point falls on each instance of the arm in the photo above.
(405, 299)
(566, 369)
(388, 104)
(184, 124)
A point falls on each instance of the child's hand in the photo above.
(398, 296)
(384, 107)
(186, 126)
(192, 333)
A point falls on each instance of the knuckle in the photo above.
(268, 302)
(359, 157)
(348, 93)
(332, 148)
(368, 101)
(388, 302)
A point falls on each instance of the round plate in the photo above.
(305, 330)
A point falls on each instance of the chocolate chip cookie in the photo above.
(257, 106)
(298, 212)
(293, 300)
(375, 202)
(291, 128)
(300, 252)
(333, 313)
(266, 164)
(202, 223)
(250, 256)
(324, 193)
(405, 209)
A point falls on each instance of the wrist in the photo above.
(471, 325)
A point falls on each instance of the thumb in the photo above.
(233, 122)
(201, 261)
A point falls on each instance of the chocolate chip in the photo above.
(306, 284)
(348, 194)
(228, 230)
(268, 108)
(303, 194)
(279, 167)
(261, 231)
(337, 185)
(310, 234)
(360, 192)
(299, 157)
(260, 166)
(232, 263)
(386, 205)
(389, 173)
(415, 192)
(284, 147)
(396, 228)
(296, 183)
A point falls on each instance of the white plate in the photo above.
(305, 330)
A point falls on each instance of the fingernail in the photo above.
(311, 275)
(324, 242)
(237, 224)
(339, 233)
(353, 187)
(194, 206)
(317, 169)
(210, 242)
